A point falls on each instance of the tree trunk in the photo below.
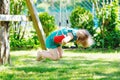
(4, 34)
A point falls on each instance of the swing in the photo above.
(58, 38)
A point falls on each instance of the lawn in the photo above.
(75, 65)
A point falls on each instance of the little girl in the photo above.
(55, 51)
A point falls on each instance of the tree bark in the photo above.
(4, 34)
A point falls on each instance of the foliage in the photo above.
(48, 22)
(24, 43)
(18, 29)
(81, 18)
(18, 7)
(29, 41)
(112, 39)
(108, 35)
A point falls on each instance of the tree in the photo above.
(4, 34)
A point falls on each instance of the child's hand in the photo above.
(67, 38)
(63, 42)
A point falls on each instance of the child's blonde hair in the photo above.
(84, 38)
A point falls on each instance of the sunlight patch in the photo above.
(111, 70)
(98, 77)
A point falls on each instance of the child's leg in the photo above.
(51, 54)
(60, 50)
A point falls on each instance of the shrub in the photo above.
(48, 22)
(82, 18)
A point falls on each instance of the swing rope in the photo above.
(67, 22)
(60, 19)
(60, 15)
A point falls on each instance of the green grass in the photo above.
(90, 65)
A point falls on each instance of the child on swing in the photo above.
(64, 36)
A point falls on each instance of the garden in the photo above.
(101, 61)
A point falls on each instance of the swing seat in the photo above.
(58, 39)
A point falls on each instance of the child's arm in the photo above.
(67, 38)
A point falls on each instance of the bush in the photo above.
(48, 22)
(23, 43)
(82, 18)
(109, 36)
